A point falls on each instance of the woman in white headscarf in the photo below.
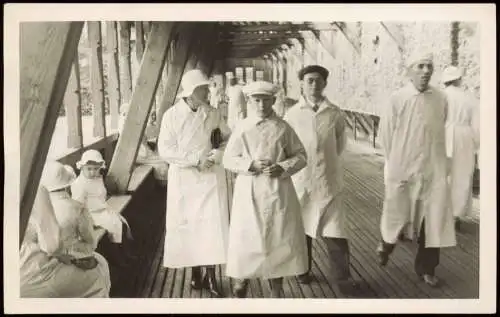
(47, 268)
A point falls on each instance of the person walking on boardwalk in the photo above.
(191, 140)
(266, 234)
(412, 133)
(320, 126)
(237, 107)
(462, 143)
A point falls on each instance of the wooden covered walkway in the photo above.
(459, 266)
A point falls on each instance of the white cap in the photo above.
(90, 155)
(57, 176)
(192, 79)
(451, 73)
(419, 56)
(260, 87)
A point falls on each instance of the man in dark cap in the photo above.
(320, 126)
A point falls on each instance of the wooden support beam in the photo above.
(73, 104)
(276, 27)
(97, 78)
(125, 62)
(181, 52)
(351, 38)
(325, 42)
(394, 35)
(114, 95)
(142, 99)
(257, 36)
(47, 50)
(139, 40)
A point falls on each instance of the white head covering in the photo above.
(451, 73)
(90, 155)
(192, 79)
(260, 87)
(57, 176)
(419, 56)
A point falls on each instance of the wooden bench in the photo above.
(118, 203)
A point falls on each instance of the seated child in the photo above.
(75, 222)
(89, 189)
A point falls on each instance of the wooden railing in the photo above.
(366, 122)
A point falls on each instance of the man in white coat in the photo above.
(266, 234)
(237, 107)
(320, 126)
(462, 142)
(197, 209)
(412, 132)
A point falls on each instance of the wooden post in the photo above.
(125, 62)
(113, 73)
(73, 104)
(47, 50)
(355, 127)
(97, 78)
(142, 99)
(176, 67)
(139, 40)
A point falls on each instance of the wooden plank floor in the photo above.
(363, 197)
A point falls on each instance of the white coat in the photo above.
(197, 207)
(237, 106)
(319, 185)
(42, 274)
(412, 133)
(266, 235)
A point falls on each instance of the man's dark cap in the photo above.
(314, 69)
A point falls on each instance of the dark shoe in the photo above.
(240, 289)
(348, 285)
(430, 280)
(458, 223)
(196, 282)
(210, 283)
(383, 255)
(305, 278)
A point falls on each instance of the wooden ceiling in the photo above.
(255, 39)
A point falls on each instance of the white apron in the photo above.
(413, 138)
(266, 235)
(319, 185)
(461, 146)
(197, 207)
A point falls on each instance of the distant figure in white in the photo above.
(412, 132)
(320, 126)
(237, 106)
(462, 142)
(192, 140)
(266, 235)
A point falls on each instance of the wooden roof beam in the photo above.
(256, 36)
(269, 27)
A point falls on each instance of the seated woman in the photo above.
(47, 271)
(148, 155)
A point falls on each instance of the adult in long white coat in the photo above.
(197, 209)
(462, 142)
(266, 234)
(412, 132)
(320, 126)
(237, 107)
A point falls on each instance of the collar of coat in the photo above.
(186, 109)
(325, 103)
(414, 91)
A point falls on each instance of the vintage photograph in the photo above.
(250, 159)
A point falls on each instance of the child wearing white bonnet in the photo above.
(89, 189)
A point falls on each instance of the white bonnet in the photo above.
(91, 155)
